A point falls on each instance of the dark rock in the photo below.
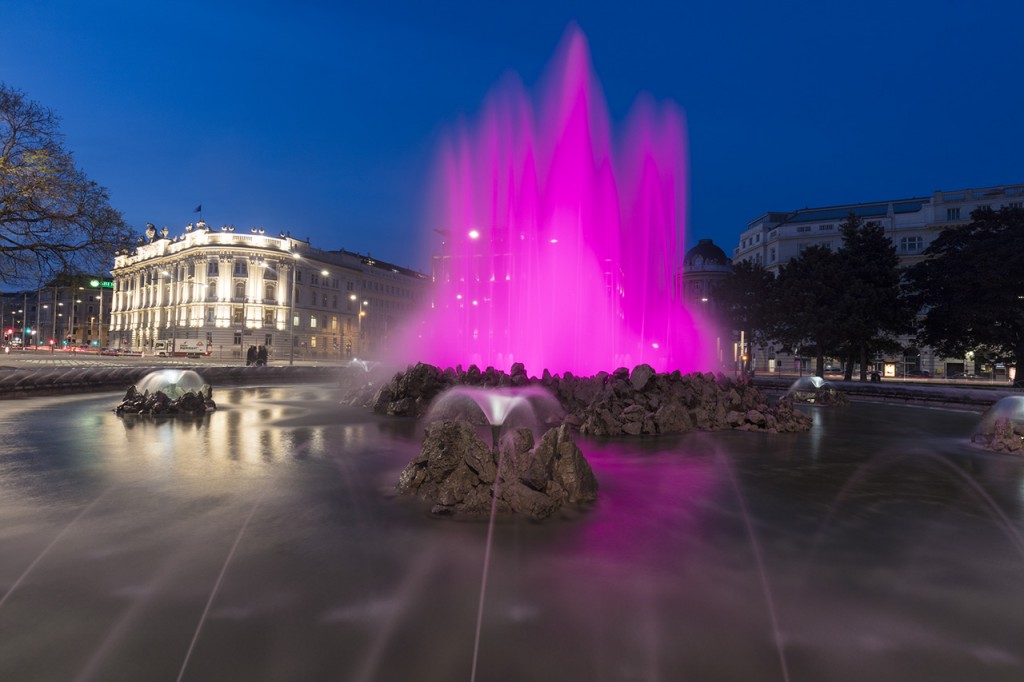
(457, 473)
(640, 376)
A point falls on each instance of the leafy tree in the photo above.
(971, 287)
(872, 307)
(744, 300)
(52, 218)
(805, 310)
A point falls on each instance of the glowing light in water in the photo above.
(561, 245)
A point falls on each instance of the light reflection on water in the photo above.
(882, 564)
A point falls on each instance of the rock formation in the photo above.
(1001, 435)
(160, 403)
(458, 473)
(641, 402)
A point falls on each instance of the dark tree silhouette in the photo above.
(805, 311)
(971, 287)
(52, 218)
(872, 308)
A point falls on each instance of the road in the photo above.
(21, 359)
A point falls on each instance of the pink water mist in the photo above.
(558, 247)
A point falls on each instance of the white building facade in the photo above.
(233, 290)
(912, 224)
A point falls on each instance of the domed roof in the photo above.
(705, 253)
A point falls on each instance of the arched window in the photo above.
(239, 289)
(270, 293)
(211, 290)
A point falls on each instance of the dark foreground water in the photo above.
(265, 543)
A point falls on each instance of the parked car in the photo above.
(964, 377)
(920, 373)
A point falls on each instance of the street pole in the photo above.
(100, 289)
(291, 314)
(37, 315)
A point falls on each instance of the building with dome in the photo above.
(704, 267)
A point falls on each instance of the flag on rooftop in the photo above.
(198, 209)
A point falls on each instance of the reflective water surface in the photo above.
(265, 542)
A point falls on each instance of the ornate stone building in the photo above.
(233, 290)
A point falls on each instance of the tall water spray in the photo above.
(556, 247)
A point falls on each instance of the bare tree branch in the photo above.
(52, 217)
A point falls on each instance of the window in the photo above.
(238, 315)
(270, 293)
(238, 339)
(312, 298)
(323, 301)
(211, 315)
(267, 340)
(269, 273)
(953, 213)
(211, 291)
(1015, 204)
(334, 302)
(268, 316)
(826, 227)
(911, 244)
(212, 268)
(771, 255)
(350, 286)
(314, 278)
(803, 228)
(241, 268)
(239, 289)
(312, 321)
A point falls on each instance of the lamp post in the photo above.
(325, 274)
(353, 297)
(74, 317)
(291, 313)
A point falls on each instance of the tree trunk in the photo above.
(863, 362)
(848, 367)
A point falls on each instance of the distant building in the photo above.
(235, 290)
(912, 224)
(69, 310)
(704, 267)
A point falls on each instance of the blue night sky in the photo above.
(323, 118)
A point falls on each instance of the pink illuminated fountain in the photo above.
(561, 246)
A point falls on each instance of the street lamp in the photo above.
(74, 316)
(353, 297)
(291, 313)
